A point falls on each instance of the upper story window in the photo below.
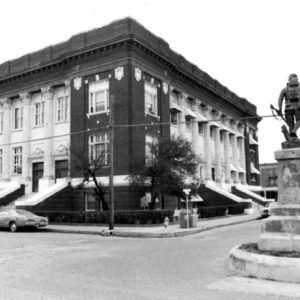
(221, 136)
(151, 99)
(38, 105)
(212, 133)
(99, 149)
(1, 164)
(188, 123)
(39, 113)
(1, 119)
(62, 109)
(151, 142)
(174, 117)
(17, 160)
(98, 96)
(18, 117)
(200, 128)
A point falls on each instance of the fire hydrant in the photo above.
(166, 222)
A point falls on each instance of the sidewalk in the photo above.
(159, 231)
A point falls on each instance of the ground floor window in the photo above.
(90, 202)
(17, 160)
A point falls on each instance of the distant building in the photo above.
(269, 178)
(57, 100)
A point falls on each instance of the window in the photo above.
(1, 120)
(174, 117)
(200, 128)
(188, 123)
(150, 156)
(90, 202)
(18, 117)
(213, 174)
(99, 148)
(17, 160)
(150, 99)
(221, 136)
(1, 161)
(62, 109)
(212, 132)
(99, 96)
(39, 113)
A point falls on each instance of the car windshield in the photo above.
(25, 213)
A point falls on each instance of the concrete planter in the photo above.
(265, 266)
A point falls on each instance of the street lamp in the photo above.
(187, 191)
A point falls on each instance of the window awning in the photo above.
(233, 168)
(194, 198)
(241, 170)
(188, 112)
(225, 128)
(253, 141)
(254, 170)
(213, 124)
(174, 106)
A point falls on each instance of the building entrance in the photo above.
(61, 169)
(37, 173)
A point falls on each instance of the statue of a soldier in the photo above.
(291, 95)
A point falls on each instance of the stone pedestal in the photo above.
(281, 231)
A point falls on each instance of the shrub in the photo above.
(121, 217)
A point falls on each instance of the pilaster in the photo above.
(6, 158)
(26, 146)
(48, 177)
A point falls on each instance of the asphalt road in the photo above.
(44, 265)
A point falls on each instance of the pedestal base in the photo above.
(281, 232)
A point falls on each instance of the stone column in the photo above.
(235, 156)
(196, 142)
(243, 159)
(207, 152)
(6, 154)
(218, 156)
(227, 157)
(26, 147)
(48, 177)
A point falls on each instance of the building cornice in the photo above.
(115, 35)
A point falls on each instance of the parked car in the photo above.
(265, 211)
(15, 218)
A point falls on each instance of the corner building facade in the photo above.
(57, 102)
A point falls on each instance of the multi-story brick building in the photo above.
(57, 101)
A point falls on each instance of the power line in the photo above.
(106, 127)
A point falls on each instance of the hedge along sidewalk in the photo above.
(158, 231)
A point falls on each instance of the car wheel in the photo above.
(13, 226)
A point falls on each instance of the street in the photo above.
(46, 265)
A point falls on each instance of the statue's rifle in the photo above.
(278, 113)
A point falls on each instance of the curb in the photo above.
(139, 234)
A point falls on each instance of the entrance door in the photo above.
(61, 169)
(37, 173)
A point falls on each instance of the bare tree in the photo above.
(90, 167)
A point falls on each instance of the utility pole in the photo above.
(111, 163)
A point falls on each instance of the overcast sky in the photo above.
(250, 46)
